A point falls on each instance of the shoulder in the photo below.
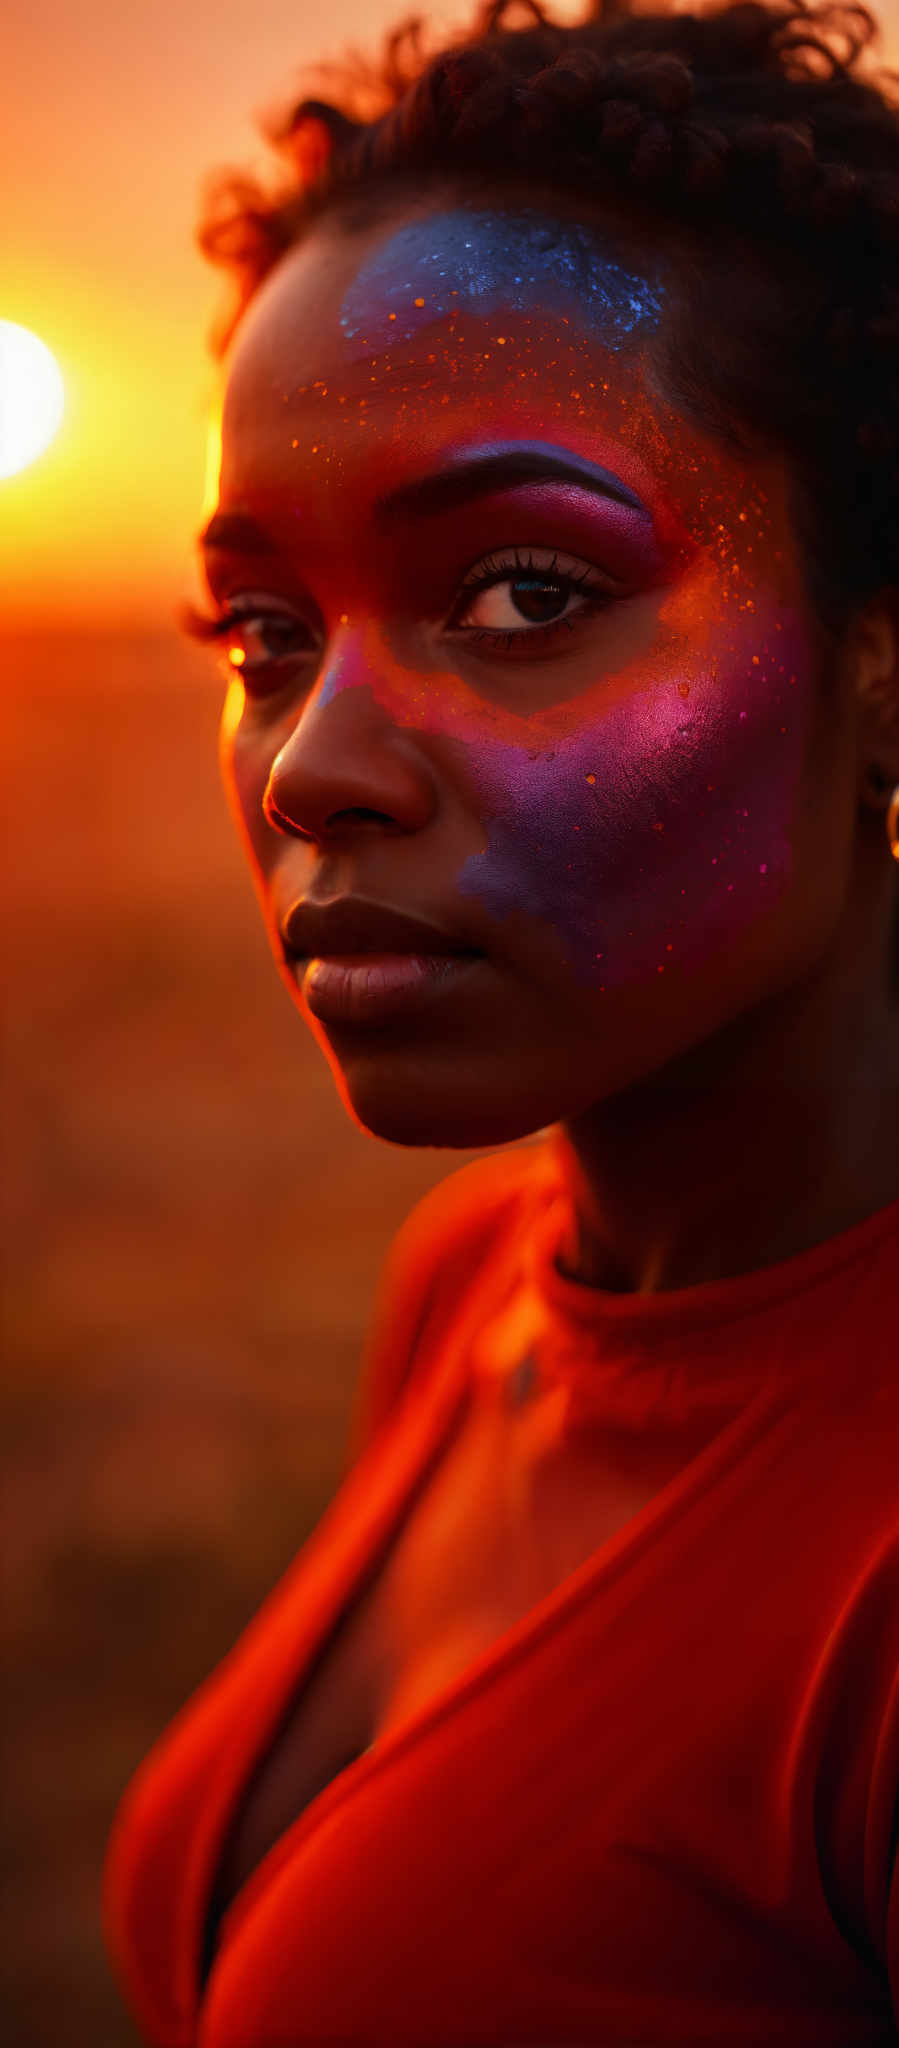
(458, 1211)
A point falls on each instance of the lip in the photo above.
(351, 925)
(370, 988)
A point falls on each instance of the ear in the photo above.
(873, 657)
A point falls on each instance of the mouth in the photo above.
(350, 927)
(369, 988)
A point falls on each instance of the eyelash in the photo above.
(491, 572)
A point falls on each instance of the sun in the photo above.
(31, 397)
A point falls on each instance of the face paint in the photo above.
(492, 262)
(653, 834)
(638, 798)
(655, 830)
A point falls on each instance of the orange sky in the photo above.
(112, 116)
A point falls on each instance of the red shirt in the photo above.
(659, 1809)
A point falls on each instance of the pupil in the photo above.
(271, 630)
(537, 597)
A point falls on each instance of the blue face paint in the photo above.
(488, 261)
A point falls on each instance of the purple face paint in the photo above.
(654, 834)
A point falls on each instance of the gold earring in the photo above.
(893, 823)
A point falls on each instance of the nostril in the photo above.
(359, 811)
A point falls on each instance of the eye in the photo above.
(520, 598)
(256, 643)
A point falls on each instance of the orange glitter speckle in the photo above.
(755, 661)
(315, 447)
(294, 444)
(237, 657)
(391, 316)
(591, 778)
(419, 302)
(683, 689)
(344, 618)
(500, 340)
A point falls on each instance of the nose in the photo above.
(347, 763)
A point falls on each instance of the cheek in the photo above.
(244, 765)
(659, 830)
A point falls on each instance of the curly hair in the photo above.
(745, 129)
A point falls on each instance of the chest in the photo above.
(502, 1520)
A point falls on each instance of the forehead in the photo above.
(340, 299)
(494, 260)
(370, 354)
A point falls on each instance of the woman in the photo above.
(556, 558)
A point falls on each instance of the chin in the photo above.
(452, 1117)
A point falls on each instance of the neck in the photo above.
(779, 1132)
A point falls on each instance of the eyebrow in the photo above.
(468, 476)
(457, 482)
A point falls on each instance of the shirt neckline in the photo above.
(680, 1310)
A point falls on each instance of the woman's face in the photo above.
(573, 719)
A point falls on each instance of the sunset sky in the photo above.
(113, 115)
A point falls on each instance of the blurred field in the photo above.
(192, 1235)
